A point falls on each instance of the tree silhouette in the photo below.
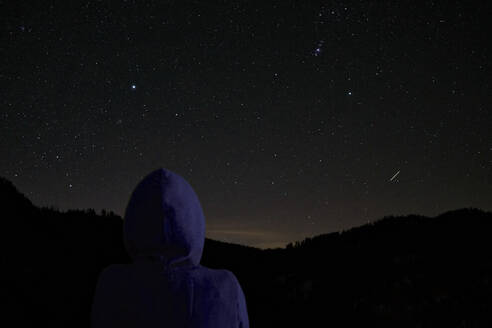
(399, 271)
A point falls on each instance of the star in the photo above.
(134, 86)
(319, 48)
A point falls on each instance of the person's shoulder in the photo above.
(219, 275)
(115, 268)
(216, 283)
(229, 275)
(113, 273)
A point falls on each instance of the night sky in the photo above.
(289, 118)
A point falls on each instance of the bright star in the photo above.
(319, 48)
(134, 86)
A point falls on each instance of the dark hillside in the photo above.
(410, 271)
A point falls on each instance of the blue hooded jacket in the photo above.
(165, 286)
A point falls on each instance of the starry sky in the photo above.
(289, 118)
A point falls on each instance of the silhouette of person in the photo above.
(165, 286)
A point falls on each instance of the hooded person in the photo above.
(165, 286)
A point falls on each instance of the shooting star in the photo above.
(394, 176)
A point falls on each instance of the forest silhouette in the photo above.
(405, 271)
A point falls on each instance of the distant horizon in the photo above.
(216, 232)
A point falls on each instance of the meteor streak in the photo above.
(394, 176)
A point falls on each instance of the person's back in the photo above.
(165, 286)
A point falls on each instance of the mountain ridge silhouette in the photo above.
(403, 271)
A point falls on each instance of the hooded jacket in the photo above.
(165, 286)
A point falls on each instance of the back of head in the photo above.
(164, 221)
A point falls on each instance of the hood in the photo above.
(164, 221)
